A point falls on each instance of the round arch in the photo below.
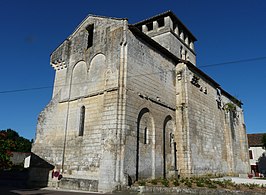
(145, 131)
(78, 79)
(169, 154)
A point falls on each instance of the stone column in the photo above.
(182, 35)
(182, 130)
(186, 40)
(176, 30)
(168, 22)
(155, 25)
(144, 28)
(191, 45)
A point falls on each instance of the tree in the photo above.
(5, 153)
(10, 141)
(264, 141)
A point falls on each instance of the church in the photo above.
(129, 103)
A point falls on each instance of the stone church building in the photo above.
(129, 103)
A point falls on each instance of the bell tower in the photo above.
(171, 33)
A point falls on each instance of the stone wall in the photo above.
(215, 136)
(175, 45)
(123, 109)
(88, 78)
(150, 99)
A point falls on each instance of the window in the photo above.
(90, 35)
(250, 154)
(181, 52)
(82, 120)
(145, 136)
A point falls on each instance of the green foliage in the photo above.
(264, 141)
(5, 153)
(252, 185)
(230, 107)
(211, 185)
(200, 181)
(200, 184)
(165, 182)
(225, 183)
(176, 182)
(154, 181)
(188, 183)
(142, 183)
(10, 141)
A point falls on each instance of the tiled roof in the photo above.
(255, 139)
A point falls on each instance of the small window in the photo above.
(82, 120)
(90, 35)
(250, 154)
(160, 22)
(181, 52)
(145, 136)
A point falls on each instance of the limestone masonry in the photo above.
(129, 103)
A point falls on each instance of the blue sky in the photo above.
(226, 31)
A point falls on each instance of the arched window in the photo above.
(82, 120)
(145, 136)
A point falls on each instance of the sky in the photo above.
(226, 30)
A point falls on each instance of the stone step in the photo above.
(78, 184)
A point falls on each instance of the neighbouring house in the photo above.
(18, 158)
(129, 103)
(257, 154)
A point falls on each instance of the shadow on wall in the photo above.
(29, 178)
(39, 171)
(262, 164)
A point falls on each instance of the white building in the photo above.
(257, 154)
(129, 103)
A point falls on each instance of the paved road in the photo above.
(240, 180)
(21, 191)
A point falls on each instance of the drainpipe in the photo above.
(66, 125)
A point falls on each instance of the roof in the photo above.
(173, 17)
(177, 60)
(95, 16)
(153, 43)
(255, 139)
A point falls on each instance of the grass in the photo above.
(201, 182)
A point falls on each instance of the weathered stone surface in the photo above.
(129, 105)
(79, 184)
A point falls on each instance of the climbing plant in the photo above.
(230, 107)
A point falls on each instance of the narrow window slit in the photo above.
(145, 137)
(90, 35)
(82, 120)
